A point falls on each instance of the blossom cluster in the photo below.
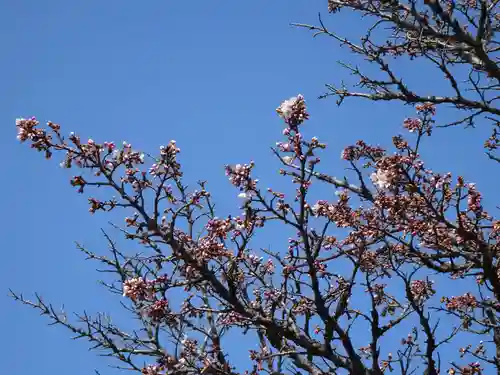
(167, 163)
(362, 150)
(144, 293)
(239, 176)
(464, 303)
(422, 290)
(139, 288)
(293, 111)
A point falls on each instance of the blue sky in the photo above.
(207, 74)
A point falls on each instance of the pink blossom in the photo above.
(137, 289)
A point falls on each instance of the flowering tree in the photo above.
(358, 270)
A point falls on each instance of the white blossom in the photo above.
(381, 178)
(286, 108)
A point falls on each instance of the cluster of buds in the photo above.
(239, 176)
(422, 125)
(362, 150)
(472, 369)
(378, 293)
(422, 290)
(158, 310)
(369, 260)
(408, 340)
(209, 248)
(189, 347)
(474, 199)
(140, 289)
(293, 111)
(219, 227)
(413, 124)
(340, 212)
(78, 181)
(461, 303)
(27, 130)
(232, 318)
(426, 109)
(166, 365)
(304, 306)
(92, 155)
(167, 164)
(127, 156)
(493, 142)
(137, 289)
(323, 208)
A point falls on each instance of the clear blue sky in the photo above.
(206, 73)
